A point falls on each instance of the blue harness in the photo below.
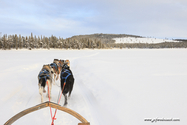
(44, 74)
(54, 65)
(65, 74)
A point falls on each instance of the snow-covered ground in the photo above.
(112, 87)
(141, 40)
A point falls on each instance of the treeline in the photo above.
(95, 41)
(34, 42)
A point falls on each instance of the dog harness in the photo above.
(44, 74)
(65, 73)
(54, 65)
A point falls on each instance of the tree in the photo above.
(47, 41)
(9, 42)
(39, 42)
(27, 42)
(35, 42)
(5, 41)
(44, 43)
(60, 42)
(51, 42)
(16, 41)
(99, 44)
(1, 43)
(20, 42)
(31, 41)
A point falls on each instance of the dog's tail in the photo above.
(71, 86)
(42, 82)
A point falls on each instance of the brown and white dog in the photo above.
(56, 68)
(45, 78)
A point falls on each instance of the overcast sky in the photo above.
(65, 18)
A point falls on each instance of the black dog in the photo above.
(67, 81)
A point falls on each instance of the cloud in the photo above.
(159, 18)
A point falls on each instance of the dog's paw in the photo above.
(65, 104)
(48, 96)
(44, 91)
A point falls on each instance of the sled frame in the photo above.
(44, 105)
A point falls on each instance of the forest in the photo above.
(94, 41)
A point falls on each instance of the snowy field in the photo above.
(141, 40)
(112, 87)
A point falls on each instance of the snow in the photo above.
(141, 40)
(112, 87)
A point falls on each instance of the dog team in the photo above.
(50, 73)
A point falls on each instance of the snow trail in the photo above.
(111, 86)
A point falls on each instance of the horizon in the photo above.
(170, 38)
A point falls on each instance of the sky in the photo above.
(62, 18)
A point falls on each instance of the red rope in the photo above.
(58, 103)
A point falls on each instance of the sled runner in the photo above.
(44, 105)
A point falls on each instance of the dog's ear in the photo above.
(61, 62)
(67, 62)
(56, 60)
(44, 66)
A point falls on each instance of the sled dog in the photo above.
(66, 80)
(56, 68)
(45, 78)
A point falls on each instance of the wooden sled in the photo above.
(44, 105)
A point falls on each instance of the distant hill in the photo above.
(105, 38)
(183, 40)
